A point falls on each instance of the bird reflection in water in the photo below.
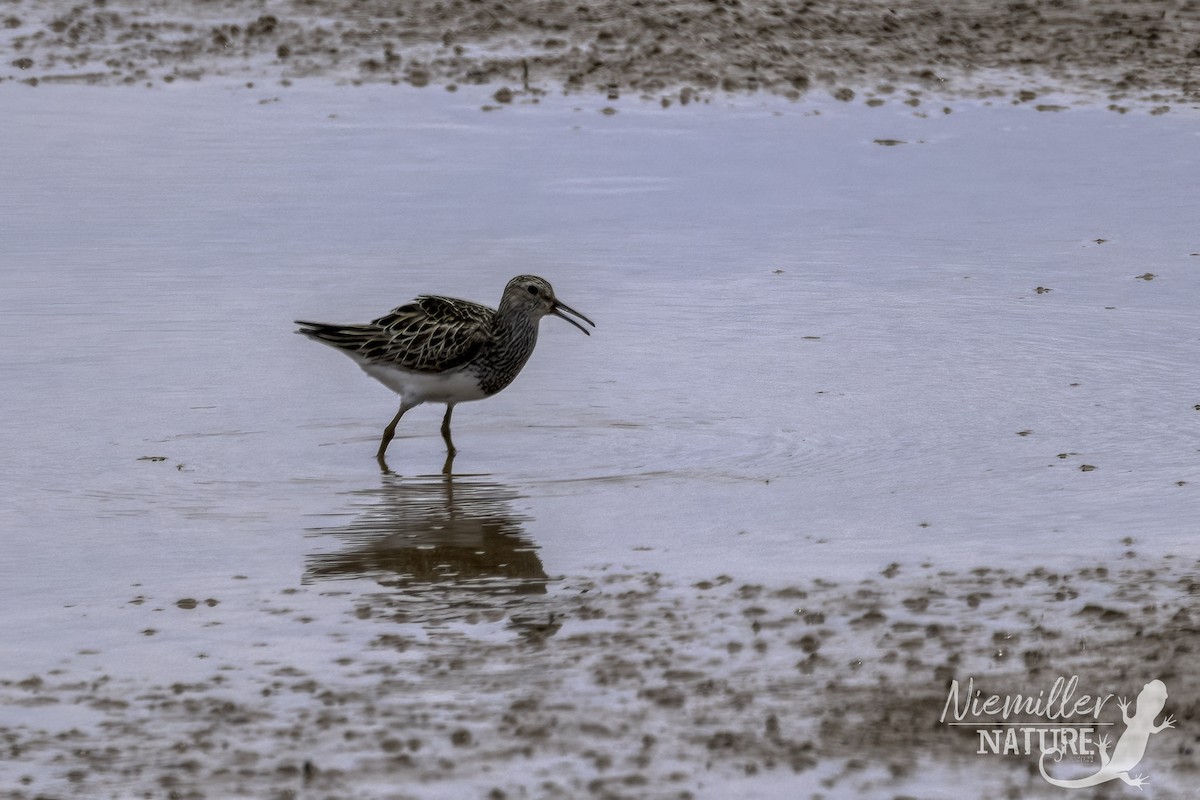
(446, 548)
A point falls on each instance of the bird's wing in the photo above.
(434, 334)
(430, 334)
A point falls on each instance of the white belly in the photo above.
(423, 387)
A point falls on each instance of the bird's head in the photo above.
(535, 296)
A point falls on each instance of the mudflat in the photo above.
(670, 50)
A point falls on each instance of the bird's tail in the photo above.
(352, 338)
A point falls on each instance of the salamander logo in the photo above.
(1060, 725)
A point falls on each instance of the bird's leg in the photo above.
(388, 433)
(450, 449)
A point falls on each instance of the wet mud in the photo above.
(674, 51)
(621, 685)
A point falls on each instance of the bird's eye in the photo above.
(533, 290)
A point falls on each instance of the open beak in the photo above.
(561, 307)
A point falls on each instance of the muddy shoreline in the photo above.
(625, 685)
(1116, 53)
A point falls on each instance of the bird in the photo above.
(444, 350)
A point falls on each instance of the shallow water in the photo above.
(815, 356)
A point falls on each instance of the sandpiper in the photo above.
(444, 350)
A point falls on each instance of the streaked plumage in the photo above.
(444, 350)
